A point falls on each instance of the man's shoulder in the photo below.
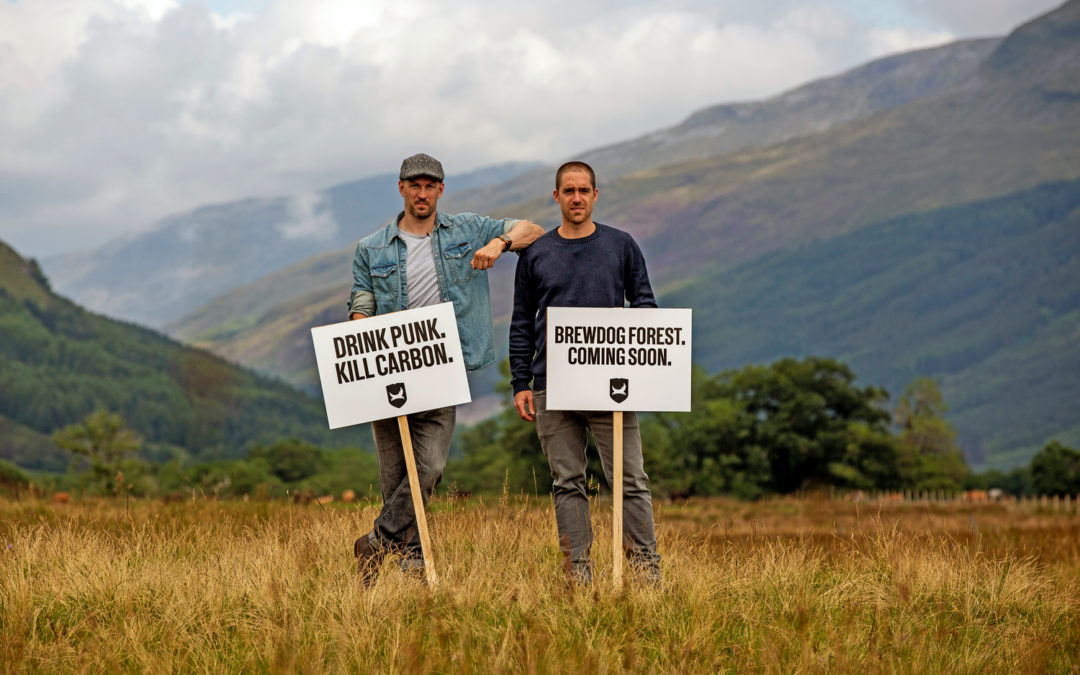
(381, 237)
(470, 225)
(614, 233)
(545, 242)
(459, 219)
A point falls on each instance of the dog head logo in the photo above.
(395, 393)
(619, 389)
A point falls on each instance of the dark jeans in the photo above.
(395, 527)
(563, 439)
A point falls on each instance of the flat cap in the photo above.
(421, 165)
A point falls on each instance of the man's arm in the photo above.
(521, 233)
(523, 342)
(636, 281)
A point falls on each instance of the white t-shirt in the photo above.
(423, 284)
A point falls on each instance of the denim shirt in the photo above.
(379, 273)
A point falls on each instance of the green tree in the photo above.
(290, 460)
(104, 439)
(1055, 470)
(816, 427)
(1016, 482)
(776, 428)
(707, 451)
(353, 469)
(929, 456)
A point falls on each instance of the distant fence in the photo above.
(1066, 504)
(1043, 503)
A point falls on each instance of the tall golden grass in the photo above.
(777, 586)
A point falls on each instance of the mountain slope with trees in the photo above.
(983, 297)
(59, 363)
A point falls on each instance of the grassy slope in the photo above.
(59, 362)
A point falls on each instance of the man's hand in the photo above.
(526, 408)
(486, 257)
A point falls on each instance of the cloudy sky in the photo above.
(114, 113)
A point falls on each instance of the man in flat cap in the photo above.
(423, 257)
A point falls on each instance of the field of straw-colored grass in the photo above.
(775, 586)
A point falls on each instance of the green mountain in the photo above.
(1000, 129)
(59, 362)
(266, 325)
(984, 297)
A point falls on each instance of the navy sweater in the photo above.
(604, 269)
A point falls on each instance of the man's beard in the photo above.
(421, 216)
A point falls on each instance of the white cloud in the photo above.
(895, 40)
(117, 112)
(309, 218)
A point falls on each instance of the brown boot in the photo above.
(368, 553)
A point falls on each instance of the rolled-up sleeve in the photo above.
(362, 297)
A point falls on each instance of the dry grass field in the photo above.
(776, 586)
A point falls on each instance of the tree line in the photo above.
(793, 425)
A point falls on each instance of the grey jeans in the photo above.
(563, 440)
(431, 431)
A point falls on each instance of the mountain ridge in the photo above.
(184, 260)
(199, 327)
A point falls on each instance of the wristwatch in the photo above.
(506, 238)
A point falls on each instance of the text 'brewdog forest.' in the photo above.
(389, 365)
(617, 345)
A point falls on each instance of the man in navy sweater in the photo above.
(580, 264)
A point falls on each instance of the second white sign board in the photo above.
(391, 364)
(618, 359)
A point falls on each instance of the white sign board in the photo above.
(618, 359)
(390, 364)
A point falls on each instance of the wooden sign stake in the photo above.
(418, 500)
(617, 489)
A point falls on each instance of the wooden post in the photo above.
(417, 500)
(617, 489)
